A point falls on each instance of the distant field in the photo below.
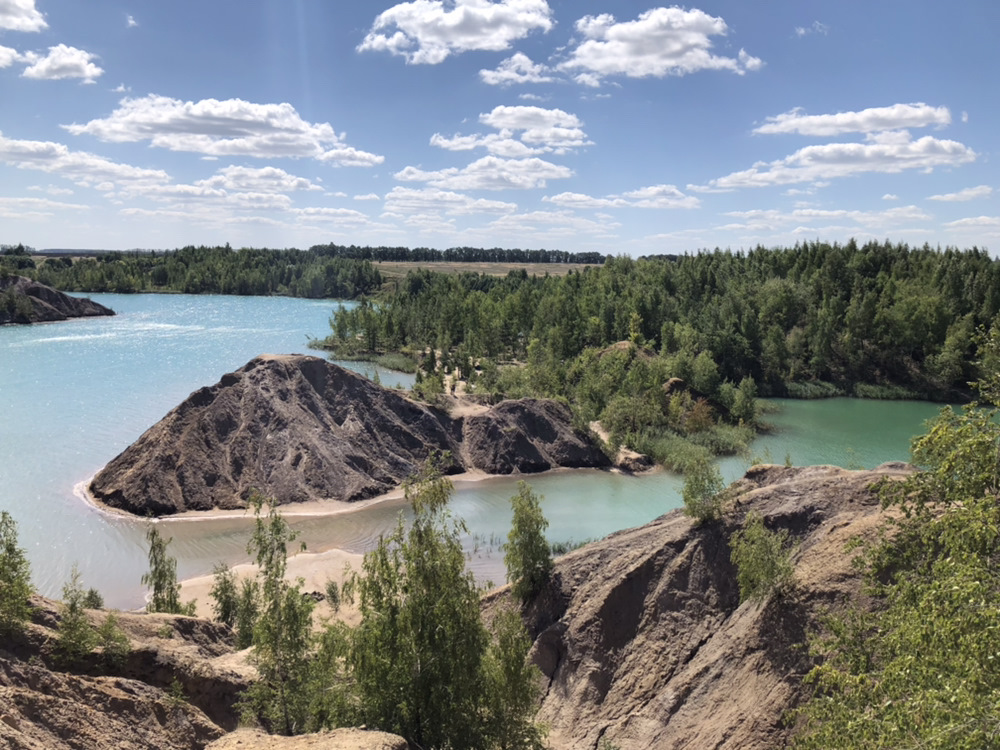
(398, 269)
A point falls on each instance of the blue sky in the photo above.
(620, 127)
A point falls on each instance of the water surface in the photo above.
(73, 395)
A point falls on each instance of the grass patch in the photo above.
(724, 439)
(885, 392)
(813, 389)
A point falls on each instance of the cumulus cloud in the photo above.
(339, 216)
(224, 128)
(968, 194)
(517, 69)
(427, 31)
(654, 196)
(660, 42)
(8, 56)
(403, 200)
(490, 173)
(890, 197)
(130, 22)
(872, 120)
(828, 161)
(21, 15)
(263, 180)
(62, 62)
(538, 131)
(368, 197)
(83, 168)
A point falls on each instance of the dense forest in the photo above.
(458, 255)
(879, 320)
(202, 270)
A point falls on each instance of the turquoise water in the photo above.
(75, 394)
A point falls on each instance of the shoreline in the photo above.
(311, 509)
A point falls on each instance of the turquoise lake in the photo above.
(73, 395)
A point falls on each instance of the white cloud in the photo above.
(21, 15)
(824, 162)
(83, 168)
(772, 220)
(661, 42)
(890, 197)
(815, 28)
(427, 31)
(968, 194)
(224, 128)
(541, 131)
(368, 197)
(62, 62)
(516, 69)
(35, 208)
(130, 22)
(263, 180)
(538, 228)
(654, 196)
(345, 216)
(974, 222)
(490, 173)
(428, 201)
(874, 119)
(8, 56)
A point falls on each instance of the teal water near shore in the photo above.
(75, 394)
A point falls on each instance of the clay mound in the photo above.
(299, 428)
(47, 304)
(528, 435)
(45, 705)
(337, 739)
(643, 641)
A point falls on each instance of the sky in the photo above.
(579, 125)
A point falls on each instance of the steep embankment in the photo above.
(642, 638)
(25, 301)
(45, 703)
(300, 428)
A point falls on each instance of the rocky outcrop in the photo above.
(176, 688)
(299, 428)
(642, 639)
(25, 301)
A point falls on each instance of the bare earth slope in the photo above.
(46, 304)
(643, 641)
(300, 428)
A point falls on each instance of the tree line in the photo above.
(204, 270)
(457, 254)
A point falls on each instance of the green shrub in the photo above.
(813, 389)
(762, 559)
(115, 645)
(162, 577)
(93, 599)
(526, 553)
(702, 491)
(15, 579)
(76, 637)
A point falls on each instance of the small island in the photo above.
(25, 301)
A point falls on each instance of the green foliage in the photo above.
(15, 579)
(762, 559)
(225, 595)
(76, 636)
(162, 578)
(114, 643)
(422, 663)
(333, 595)
(702, 491)
(282, 634)
(93, 599)
(527, 554)
(247, 611)
(561, 548)
(923, 668)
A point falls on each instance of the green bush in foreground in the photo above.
(762, 559)
(702, 491)
(162, 578)
(76, 636)
(15, 579)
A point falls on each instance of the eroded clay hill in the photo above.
(299, 428)
(27, 301)
(644, 643)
